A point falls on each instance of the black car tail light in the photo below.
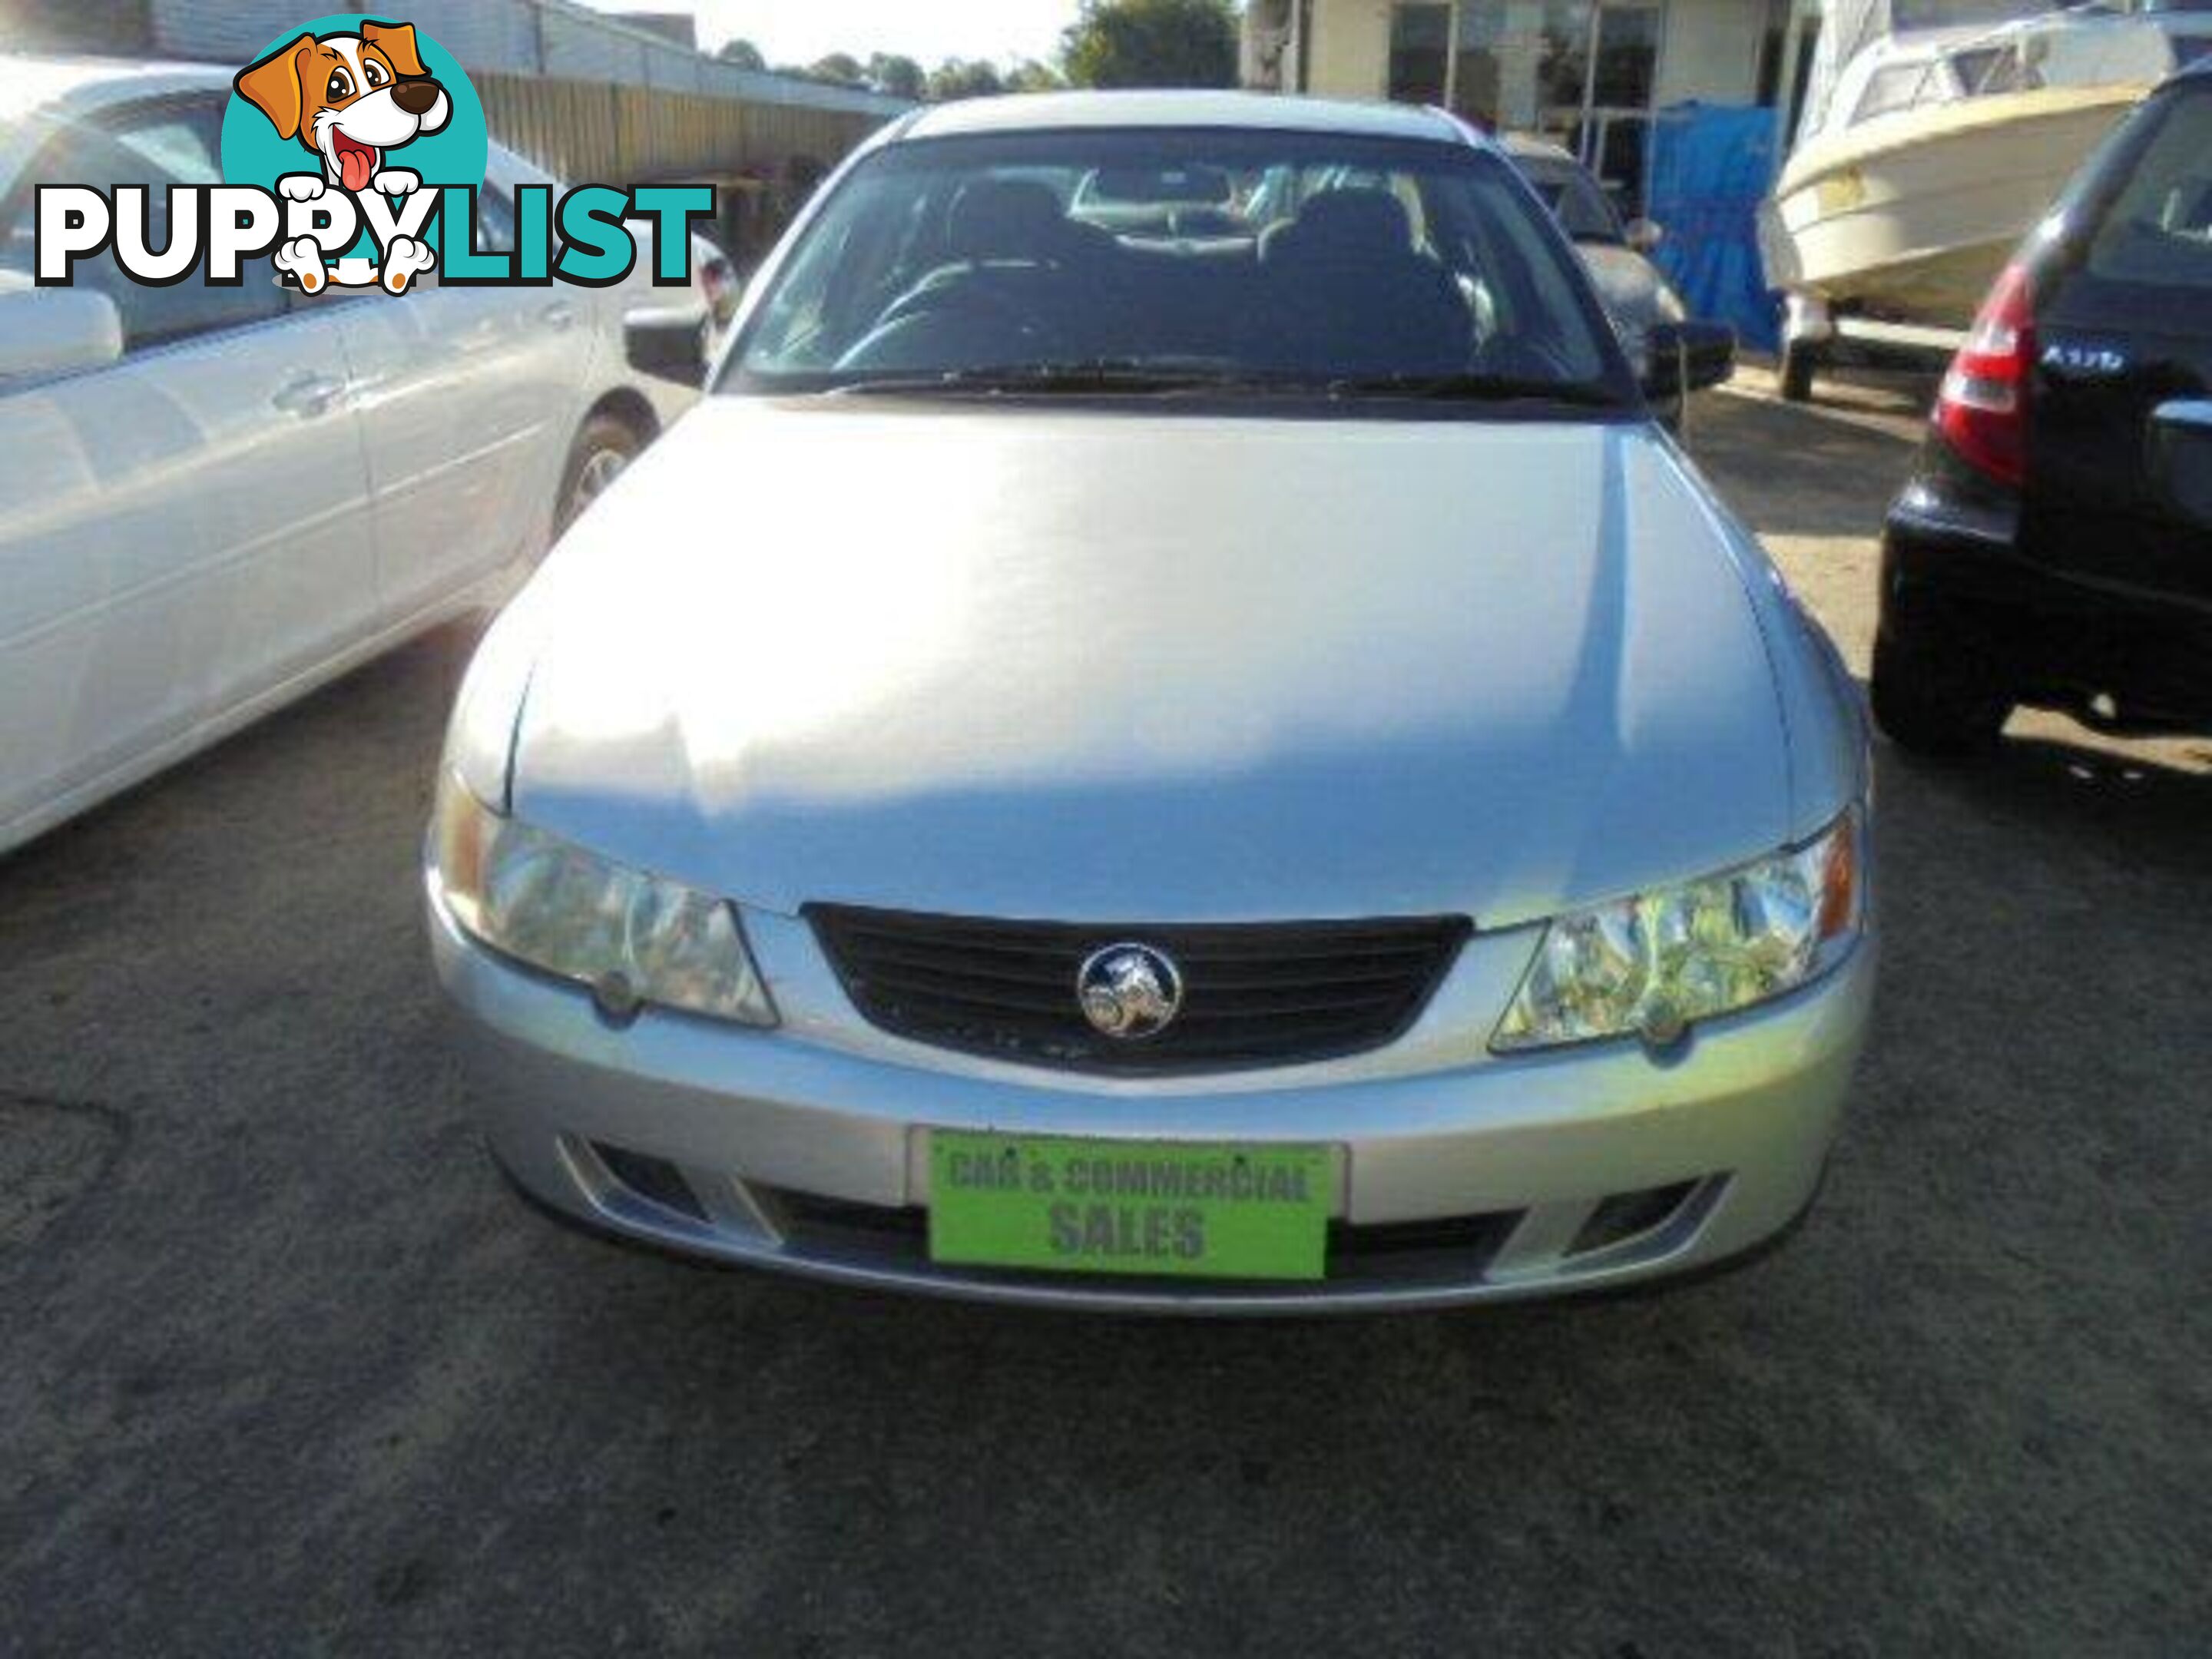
(1983, 409)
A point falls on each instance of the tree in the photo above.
(897, 76)
(840, 68)
(743, 53)
(958, 77)
(1153, 43)
(1029, 75)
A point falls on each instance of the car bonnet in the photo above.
(1075, 664)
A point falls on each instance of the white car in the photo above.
(213, 500)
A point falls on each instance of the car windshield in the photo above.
(1575, 200)
(1154, 262)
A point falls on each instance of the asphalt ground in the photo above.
(288, 1371)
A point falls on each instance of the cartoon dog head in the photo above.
(349, 98)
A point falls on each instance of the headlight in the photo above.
(633, 938)
(1655, 963)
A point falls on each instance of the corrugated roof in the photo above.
(558, 38)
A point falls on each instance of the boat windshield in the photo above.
(2022, 53)
(1914, 84)
(1850, 27)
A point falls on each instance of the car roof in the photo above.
(29, 84)
(1522, 148)
(1062, 112)
(71, 87)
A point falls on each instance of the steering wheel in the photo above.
(923, 336)
(972, 296)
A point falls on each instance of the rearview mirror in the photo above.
(669, 345)
(1679, 357)
(57, 331)
(2181, 458)
(1643, 235)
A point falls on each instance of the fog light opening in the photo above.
(654, 1179)
(1626, 1216)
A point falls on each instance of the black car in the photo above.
(2054, 546)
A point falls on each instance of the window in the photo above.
(1562, 51)
(1621, 146)
(495, 222)
(157, 145)
(1575, 200)
(2158, 232)
(1901, 86)
(1627, 57)
(1420, 35)
(1985, 71)
(1333, 259)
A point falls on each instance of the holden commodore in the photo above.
(1158, 761)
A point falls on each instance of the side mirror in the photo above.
(1681, 357)
(57, 331)
(726, 298)
(2181, 458)
(1643, 236)
(670, 345)
(717, 278)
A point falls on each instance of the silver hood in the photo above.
(1108, 665)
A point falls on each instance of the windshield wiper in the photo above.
(1475, 389)
(1137, 377)
(1132, 376)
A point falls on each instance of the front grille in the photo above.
(1269, 994)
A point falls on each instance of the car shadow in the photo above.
(303, 1299)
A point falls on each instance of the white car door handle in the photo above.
(309, 396)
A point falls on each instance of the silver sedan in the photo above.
(1224, 767)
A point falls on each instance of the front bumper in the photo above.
(1466, 1177)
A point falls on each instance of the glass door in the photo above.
(1581, 72)
(1608, 122)
(1420, 40)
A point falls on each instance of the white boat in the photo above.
(1927, 154)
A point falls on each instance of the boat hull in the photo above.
(1911, 217)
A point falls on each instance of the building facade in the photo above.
(1591, 74)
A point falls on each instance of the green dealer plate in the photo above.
(1193, 1210)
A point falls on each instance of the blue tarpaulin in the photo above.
(1711, 165)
